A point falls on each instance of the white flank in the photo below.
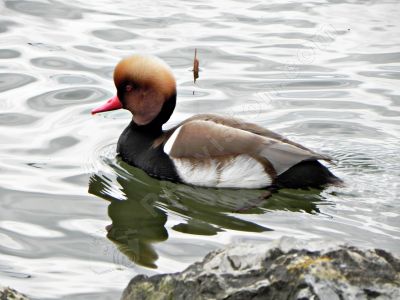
(170, 142)
(202, 174)
(242, 172)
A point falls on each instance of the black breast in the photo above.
(135, 146)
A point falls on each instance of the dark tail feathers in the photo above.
(308, 173)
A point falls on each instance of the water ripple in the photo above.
(58, 144)
(10, 81)
(57, 63)
(28, 229)
(50, 10)
(373, 58)
(5, 25)
(381, 74)
(73, 79)
(61, 63)
(16, 119)
(59, 99)
(114, 35)
(88, 48)
(282, 7)
(9, 53)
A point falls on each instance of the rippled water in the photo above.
(323, 73)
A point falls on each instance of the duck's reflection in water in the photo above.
(140, 205)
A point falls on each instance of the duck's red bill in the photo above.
(111, 104)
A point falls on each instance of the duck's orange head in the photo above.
(146, 87)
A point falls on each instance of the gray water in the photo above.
(323, 73)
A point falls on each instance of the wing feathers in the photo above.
(205, 139)
(283, 156)
(201, 139)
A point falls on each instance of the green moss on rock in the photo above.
(284, 269)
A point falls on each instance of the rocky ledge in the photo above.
(284, 269)
(10, 294)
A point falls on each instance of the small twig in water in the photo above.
(195, 66)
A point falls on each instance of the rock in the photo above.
(284, 269)
(10, 294)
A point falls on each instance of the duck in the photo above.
(205, 150)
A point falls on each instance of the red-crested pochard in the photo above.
(205, 150)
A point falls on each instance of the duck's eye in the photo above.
(128, 88)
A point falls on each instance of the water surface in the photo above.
(77, 223)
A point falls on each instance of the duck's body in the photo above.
(205, 150)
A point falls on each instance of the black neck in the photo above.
(155, 126)
(151, 130)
